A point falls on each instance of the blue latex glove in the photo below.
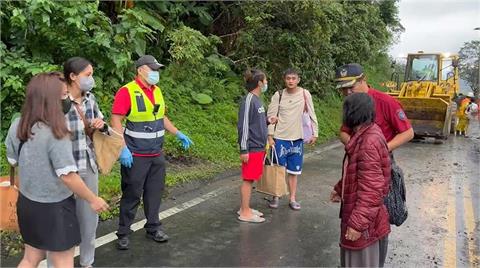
(126, 158)
(186, 141)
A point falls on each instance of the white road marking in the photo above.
(177, 209)
(163, 215)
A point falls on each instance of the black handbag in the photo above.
(395, 201)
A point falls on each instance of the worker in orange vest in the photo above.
(463, 120)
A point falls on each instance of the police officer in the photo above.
(142, 160)
(389, 116)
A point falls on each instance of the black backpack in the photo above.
(395, 201)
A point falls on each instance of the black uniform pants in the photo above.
(146, 177)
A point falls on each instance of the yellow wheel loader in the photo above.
(427, 94)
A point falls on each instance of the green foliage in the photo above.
(212, 127)
(206, 47)
(4, 166)
(179, 13)
(312, 36)
(287, 34)
(188, 46)
(329, 116)
(11, 243)
(389, 15)
(202, 98)
(16, 68)
(39, 35)
(378, 70)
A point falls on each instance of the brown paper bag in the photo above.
(108, 146)
(273, 178)
(8, 202)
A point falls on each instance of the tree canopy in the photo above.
(469, 65)
(200, 41)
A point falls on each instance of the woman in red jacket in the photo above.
(364, 184)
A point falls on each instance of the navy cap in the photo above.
(348, 74)
(148, 60)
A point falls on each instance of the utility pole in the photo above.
(478, 77)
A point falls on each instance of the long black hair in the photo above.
(74, 65)
(358, 109)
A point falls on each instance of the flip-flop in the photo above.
(254, 212)
(274, 202)
(253, 219)
(295, 205)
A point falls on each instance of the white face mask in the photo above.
(264, 88)
(86, 83)
(153, 77)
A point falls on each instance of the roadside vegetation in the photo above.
(206, 47)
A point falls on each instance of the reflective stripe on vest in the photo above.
(144, 135)
(144, 130)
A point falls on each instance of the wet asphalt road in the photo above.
(443, 184)
(443, 195)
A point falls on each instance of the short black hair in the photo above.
(358, 109)
(74, 65)
(252, 77)
(290, 71)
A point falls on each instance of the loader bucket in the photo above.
(430, 117)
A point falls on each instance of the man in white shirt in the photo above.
(287, 135)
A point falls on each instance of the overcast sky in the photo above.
(437, 25)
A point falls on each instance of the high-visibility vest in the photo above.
(462, 107)
(144, 131)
